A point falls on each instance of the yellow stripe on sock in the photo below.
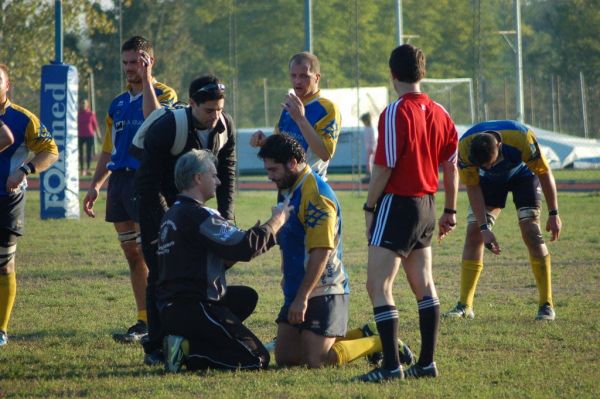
(143, 316)
(469, 276)
(8, 292)
(350, 350)
(542, 271)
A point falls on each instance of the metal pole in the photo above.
(121, 38)
(266, 100)
(584, 105)
(554, 113)
(520, 95)
(58, 32)
(399, 27)
(308, 28)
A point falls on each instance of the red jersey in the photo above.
(86, 123)
(416, 135)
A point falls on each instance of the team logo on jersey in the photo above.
(119, 126)
(332, 129)
(225, 232)
(313, 215)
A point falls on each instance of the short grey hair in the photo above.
(190, 164)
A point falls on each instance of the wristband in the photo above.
(553, 212)
(368, 208)
(484, 227)
(450, 211)
(31, 167)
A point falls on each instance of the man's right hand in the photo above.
(489, 241)
(257, 139)
(88, 202)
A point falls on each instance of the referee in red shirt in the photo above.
(416, 135)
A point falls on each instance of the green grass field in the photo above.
(73, 292)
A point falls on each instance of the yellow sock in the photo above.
(185, 347)
(143, 316)
(469, 276)
(355, 333)
(541, 268)
(350, 350)
(8, 292)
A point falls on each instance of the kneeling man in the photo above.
(201, 315)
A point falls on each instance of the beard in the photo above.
(287, 181)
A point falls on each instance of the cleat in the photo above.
(380, 374)
(460, 310)
(3, 338)
(369, 329)
(173, 353)
(405, 354)
(135, 333)
(155, 358)
(416, 371)
(546, 312)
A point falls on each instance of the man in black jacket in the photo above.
(202, 317)
(208, 128)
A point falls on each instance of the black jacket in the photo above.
(154, 180)
(196, 246)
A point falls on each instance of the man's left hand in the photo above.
(145, 66)
(293, 105)
(297, 310)
(553, 225)
(446, 224)
(368, 223)
(14, 180)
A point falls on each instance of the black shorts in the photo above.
(526, 192)
(402, 224)
(12, 212)
(121, 201)
(326, 315)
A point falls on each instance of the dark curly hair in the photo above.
(282, 148)
(138, 43)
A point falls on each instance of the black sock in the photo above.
(429, 320)
(386, 318)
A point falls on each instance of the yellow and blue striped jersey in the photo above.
(30, 136)
(125, 116)
(324, 116)
(520, 154)
(315, 222)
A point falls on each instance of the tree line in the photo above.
(247, 43)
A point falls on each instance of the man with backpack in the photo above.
(202, 125)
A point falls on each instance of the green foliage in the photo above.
(74, 291)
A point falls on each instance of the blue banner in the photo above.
(59, 185)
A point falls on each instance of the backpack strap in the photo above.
(181, 131)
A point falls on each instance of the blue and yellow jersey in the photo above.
(30, 136)
(125, 116)
(520, 154)
(315, 222)
(324, 116)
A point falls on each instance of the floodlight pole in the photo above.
(399, 27)
(520, 93)
(308, 31)
(58, 32)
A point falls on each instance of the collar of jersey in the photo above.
(6, 105)
(132, 97)
(312, 98)
(300, 180)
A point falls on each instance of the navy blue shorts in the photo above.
(12, 212)
(402, 224)
(326, 315)
(121, 201)
(526, 192)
